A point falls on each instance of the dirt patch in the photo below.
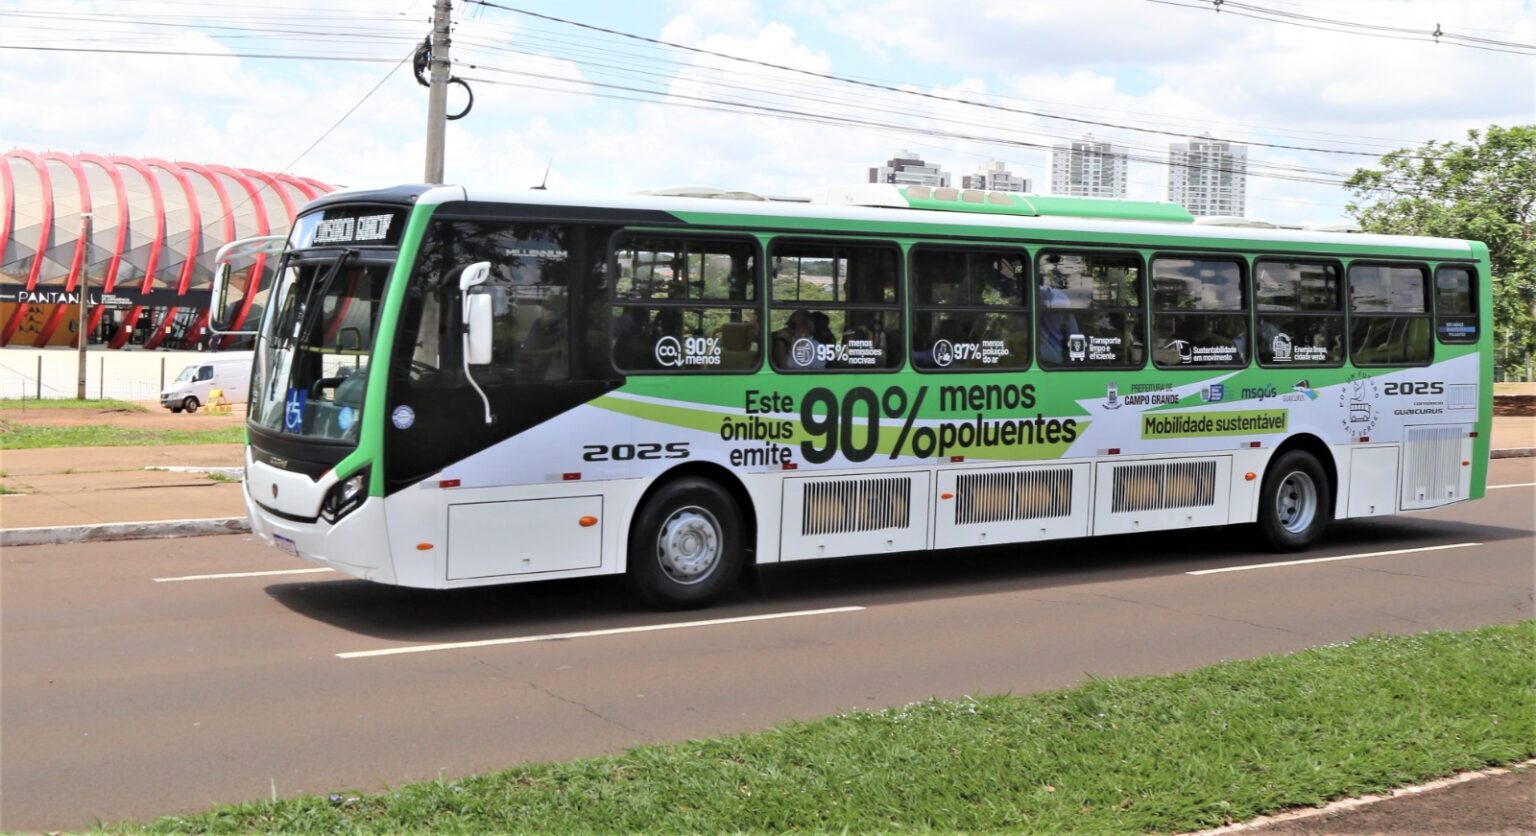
(154, 417)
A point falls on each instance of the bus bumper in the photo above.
(356, 545)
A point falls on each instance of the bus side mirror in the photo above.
(477, 327)
(220, 303)
(478, 314)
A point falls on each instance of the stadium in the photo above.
(155, 227)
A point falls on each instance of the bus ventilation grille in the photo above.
(1433, 474)
(1151, 487)
(999, 496)
(839, 506)
(1461, 396)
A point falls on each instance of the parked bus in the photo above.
(455, 388)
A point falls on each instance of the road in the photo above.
(131, 688)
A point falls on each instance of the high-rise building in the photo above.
(1088, 168)
(991, 176)
(909, 170)
(1208, 177)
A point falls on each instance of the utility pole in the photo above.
(83, 287)
(437, 96)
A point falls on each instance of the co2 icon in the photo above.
(669, 352)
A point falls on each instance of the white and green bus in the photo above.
(457, 389)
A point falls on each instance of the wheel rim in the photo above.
(1296, 502)
(688, 545)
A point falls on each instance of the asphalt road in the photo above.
(126, 695)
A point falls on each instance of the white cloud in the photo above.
(1126, 62)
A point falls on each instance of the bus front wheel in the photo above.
(190, 405)
(1294, 505)
(685, 545)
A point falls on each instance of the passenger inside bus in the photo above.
(1055, 326)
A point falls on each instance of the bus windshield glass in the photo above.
(311, 366)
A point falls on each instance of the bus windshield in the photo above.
(311, 366)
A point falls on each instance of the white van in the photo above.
(230, 372)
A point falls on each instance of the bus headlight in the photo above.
(345, 497)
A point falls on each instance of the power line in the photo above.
(185, 54)
(728, 106)
(579, 53)
(1437, 35)
(1254, 167)
(353, 109)
(918, 93)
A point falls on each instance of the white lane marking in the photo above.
(242, 575)
(1515, 485)
(1330, 559)
(425, 648)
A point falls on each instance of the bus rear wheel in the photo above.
(1294, 503)
(685, 546)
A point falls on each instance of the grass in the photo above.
(32, 436)
(222, 478)
(1223, 743)
(8, 491)
(104, 405)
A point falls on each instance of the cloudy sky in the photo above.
(771, 97)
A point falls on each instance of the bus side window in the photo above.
(970, 309)
(1456, 305)
(1199, 314)
(1090, 311)
(834, 307)
(1300, 313)
(685, 305)
(1389, 321)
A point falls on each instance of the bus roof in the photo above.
(890, 210)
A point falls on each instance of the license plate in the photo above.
(285, 545)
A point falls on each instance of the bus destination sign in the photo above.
(356, 225)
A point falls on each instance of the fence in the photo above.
(124, 375)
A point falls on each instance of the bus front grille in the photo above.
(1152, 487)
(839, 506)
(999, 496)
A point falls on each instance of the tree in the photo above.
(1484, 190)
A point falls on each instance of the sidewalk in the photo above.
(91, 485)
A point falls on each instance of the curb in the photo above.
(1513, 453)
(147, 530)
(1302, 814)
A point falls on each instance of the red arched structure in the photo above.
(195, 229)
(126, 332)
(6, 218)
(148, 221)
(252, 281)
(109, 281)
(227, 216)
(42, 240)
(81, 245)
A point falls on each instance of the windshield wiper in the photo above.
(317, 291)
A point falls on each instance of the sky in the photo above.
(770, 97)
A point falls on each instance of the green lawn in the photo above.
(22, 404)
(1227, 742)
(15, 436)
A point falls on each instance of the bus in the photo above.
(457, 388)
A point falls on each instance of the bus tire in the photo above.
(685, 546)
(1294, 502)
(190, 404)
